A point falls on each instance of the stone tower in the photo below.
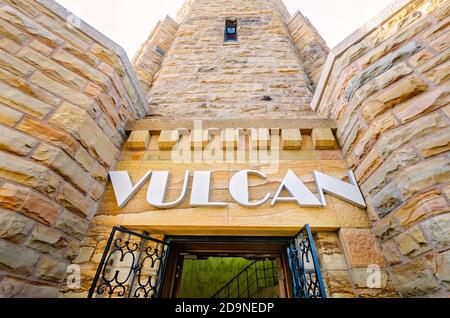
(73, 108)
(261, 75)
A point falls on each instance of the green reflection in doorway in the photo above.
(202, 278)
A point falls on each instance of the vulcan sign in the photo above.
(238, 189)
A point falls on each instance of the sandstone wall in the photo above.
(261, 76)
(345, 242)
(149, 57)
(66, 93)
(387, 87)
(184, 10)
(312, 49)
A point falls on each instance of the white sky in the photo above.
(128, 22)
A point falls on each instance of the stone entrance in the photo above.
(272, 99)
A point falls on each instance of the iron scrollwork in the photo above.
(131, 266)
(304, 264)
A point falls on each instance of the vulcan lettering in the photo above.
(238, 189)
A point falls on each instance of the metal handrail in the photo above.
(245, 288)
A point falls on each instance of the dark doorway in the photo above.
(136, 265)
(229, 277)
(226, 267)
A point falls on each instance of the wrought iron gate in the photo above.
(304, 265)
(132, 266)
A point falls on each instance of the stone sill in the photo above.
(234, 43)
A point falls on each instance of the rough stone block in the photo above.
(386, 200)
(72, 119)
(339, 284)
(13, 226)
(72, 224)
(97, 190)
(23, 22)
(389, 169)
(14, 65)
(361, 248)
(51, 269)
(393, 95)
(83, 157)
(29, 203)
(138, 140)
(391, 253)
(422, 104)
(421, 57)
(387, 228)
(330, 252)
(381, 66)
(367, 166)
(439, 74)
(17, 259)
(68, 93)
(438, 230)
(323, 139)
(24, 103)
(394, 41)
(424, 174)
(84, 255)
(9, 116)
(28, 173)
(441, 44)
(420, 207)
(51, 68)
(99, 172)
(394, 74)
(17, 288)
(48, 240)
(16, 142)
(40, 47)
(370, 136)
(81, 67)
(66, 166)
(50, 134)
(434, 144)
(416, 278)
(9, 45)
(291, 139)
(412, 243)
(443, 268)
(414, 130)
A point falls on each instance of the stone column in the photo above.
(387, 88)
(66, 94)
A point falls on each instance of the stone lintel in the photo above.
(304, 124)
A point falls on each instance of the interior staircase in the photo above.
(257, 280)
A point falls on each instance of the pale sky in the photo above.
(129, 22)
